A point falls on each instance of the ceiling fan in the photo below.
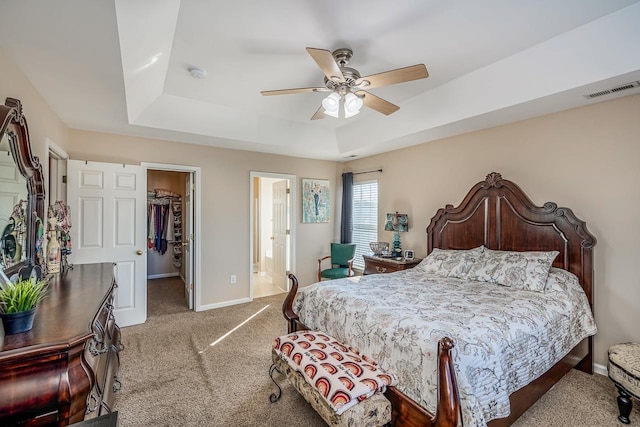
(347, 87)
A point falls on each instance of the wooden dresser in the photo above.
(378, 265)
(65, 369)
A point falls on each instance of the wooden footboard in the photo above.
(405, 411)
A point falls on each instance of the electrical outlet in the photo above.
(232, 278)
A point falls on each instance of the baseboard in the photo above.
(600, 369)
(161, 275)
(223, 304)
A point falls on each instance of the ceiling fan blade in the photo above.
(327, 64)
(407, 74)
(377, 103)
(318, 114)
(297, 90)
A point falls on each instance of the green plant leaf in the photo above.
(22, 296)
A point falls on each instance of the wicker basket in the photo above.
(378, 247)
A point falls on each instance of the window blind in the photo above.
(364, 219)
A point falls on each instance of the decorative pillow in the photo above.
(519, 270)
(450, 263)
(560, 280)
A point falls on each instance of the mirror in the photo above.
(13, 206)
(20, 179)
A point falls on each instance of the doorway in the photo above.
(272, 232)
(172, 246)
(57, 173)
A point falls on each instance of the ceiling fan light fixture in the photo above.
(331, 113)
(352, 104)
(348, 113)
(331, 105)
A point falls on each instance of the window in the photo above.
(364, 219)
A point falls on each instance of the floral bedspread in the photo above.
(505, 338)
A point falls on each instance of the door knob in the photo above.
(139, 252)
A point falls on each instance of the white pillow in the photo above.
(519, 270)
(449, 262)
(560, 280)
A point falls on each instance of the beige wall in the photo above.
(587, 159)
(42, 121)
(225, 203)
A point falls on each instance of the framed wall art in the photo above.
(316, 200)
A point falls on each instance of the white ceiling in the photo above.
(121, 66)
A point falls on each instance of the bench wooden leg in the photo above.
(624, 405)
(274, 397)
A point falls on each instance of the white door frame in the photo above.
(293, 220)
(54, 151)
(197, 178)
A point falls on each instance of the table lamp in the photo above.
(398, 223)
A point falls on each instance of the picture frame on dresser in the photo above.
(408, 254)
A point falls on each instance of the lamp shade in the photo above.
(352, 105)
(397, 222)
(331, 104)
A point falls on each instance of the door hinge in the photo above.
(191, 236)
(64, 179)
(288, 191)
(288, 232)
(191, 286)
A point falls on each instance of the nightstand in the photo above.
(377, 265)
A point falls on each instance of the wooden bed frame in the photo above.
(495, 213)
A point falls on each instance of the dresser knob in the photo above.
(91, 409)
(97, 347)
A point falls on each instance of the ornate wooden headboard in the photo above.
(496, 213)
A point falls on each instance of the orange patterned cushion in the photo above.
(341, 375)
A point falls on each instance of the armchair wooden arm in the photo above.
(320, 266)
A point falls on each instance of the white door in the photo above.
(108, 213)
(280, 232)
(188, 242)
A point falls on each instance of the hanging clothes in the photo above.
(164, 223)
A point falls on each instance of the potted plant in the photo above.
(18, 302)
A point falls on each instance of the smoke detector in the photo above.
(197, 72)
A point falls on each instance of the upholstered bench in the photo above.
(624, 371)
(309, 368)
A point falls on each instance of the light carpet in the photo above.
(211, 369)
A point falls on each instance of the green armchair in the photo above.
(342, 255)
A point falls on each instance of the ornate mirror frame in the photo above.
(14, 124)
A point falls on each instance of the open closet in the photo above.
(166, 196)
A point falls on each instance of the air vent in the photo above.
(616, 89)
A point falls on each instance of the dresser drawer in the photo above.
(376, 265)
